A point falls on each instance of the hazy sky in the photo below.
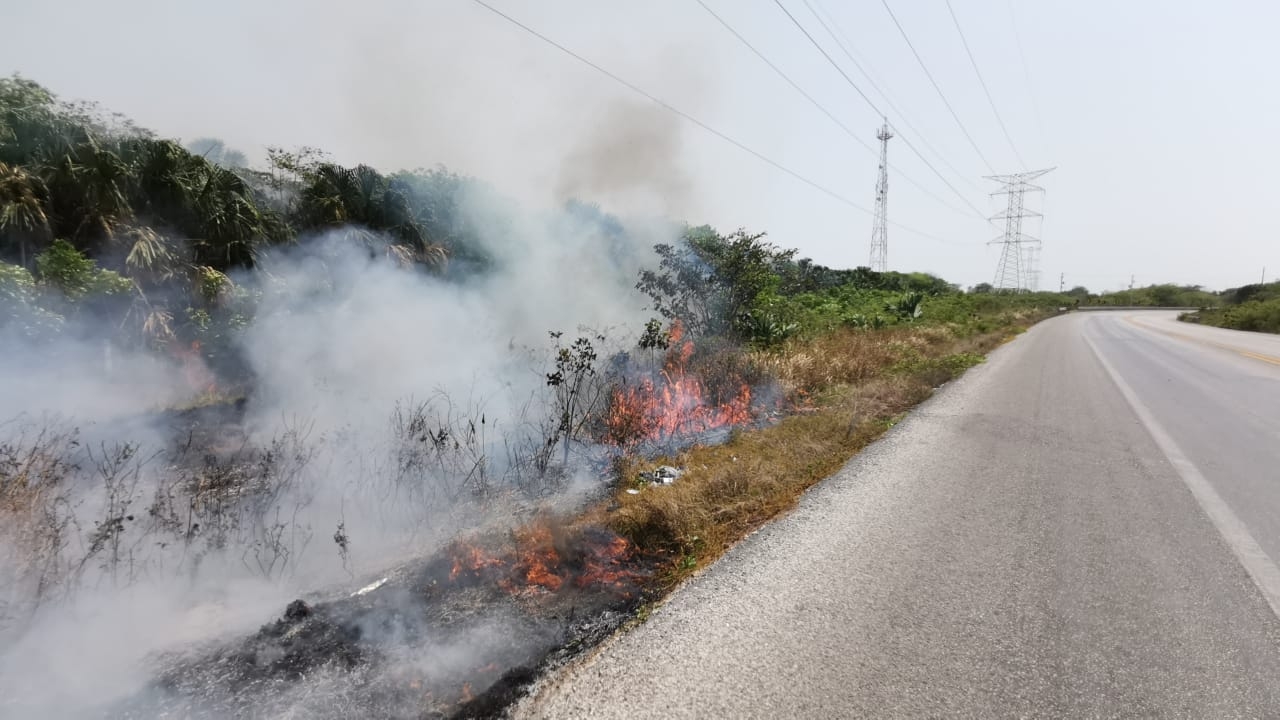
(1160, 116)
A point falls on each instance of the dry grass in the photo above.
(859, 382)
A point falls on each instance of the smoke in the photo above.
(631, 157)
(354, 362)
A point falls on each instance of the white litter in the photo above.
(369, 588)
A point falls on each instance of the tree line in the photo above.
(101, 210)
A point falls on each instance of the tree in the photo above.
(23, 220)
(363, 203)
(711, 283)
(210, 204)
(89, 191)
(438, 200)
(982, 289)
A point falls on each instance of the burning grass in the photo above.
(461, 633)
(455, 635)
(850, 387)
(693, 391)
(524, 600)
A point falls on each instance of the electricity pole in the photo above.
(1062, 283)
(1031, 265)
(1015, 270)
(879, 229)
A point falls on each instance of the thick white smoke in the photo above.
(339, 341)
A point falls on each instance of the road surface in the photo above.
(1087, 525)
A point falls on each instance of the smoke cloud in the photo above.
(346, 351)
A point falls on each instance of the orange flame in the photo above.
(536, 561)
(471, 559)
(604, 564)
(538, 557)
(599, 558)
(675, 404)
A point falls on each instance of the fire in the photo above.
(471, 559)
(596, 558)
(673, 403)
(605, 564)
(538, 558)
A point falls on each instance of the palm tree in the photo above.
(232, 224)
(88, 187)
(365, 203)
(208, 203)
(22, 211)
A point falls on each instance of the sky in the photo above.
(1158, 117)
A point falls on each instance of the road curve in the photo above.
(1084, 526)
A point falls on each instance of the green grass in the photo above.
(1254, 315)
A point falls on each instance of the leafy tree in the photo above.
(711, 283)
(63, 267)
(68, 270)
(19, 304)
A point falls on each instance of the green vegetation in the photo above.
(741, 287)
(102, 221)
(1250, 307)
(1165, 295)
(92, 205)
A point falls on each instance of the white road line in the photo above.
(1255, 560)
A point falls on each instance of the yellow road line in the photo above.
(1243, 353)
(1263, 358)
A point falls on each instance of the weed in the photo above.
(855, 384)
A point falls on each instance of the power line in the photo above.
(834, 31)
(670, 108)
(1026, 74)
(856, 138)
(873, 106)
(936, 87)
(983, 82)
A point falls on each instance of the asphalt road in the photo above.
(1087, 525)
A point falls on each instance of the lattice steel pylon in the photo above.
(1020, 252)
(1031, 265)
(880, 228)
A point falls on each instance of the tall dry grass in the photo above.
(856, 383)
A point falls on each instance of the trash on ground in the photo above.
(662, 475)
(369, 588)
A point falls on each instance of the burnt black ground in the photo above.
(428, 643)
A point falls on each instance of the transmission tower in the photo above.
(879, 229)
(1031, 264)
(1016, 270)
